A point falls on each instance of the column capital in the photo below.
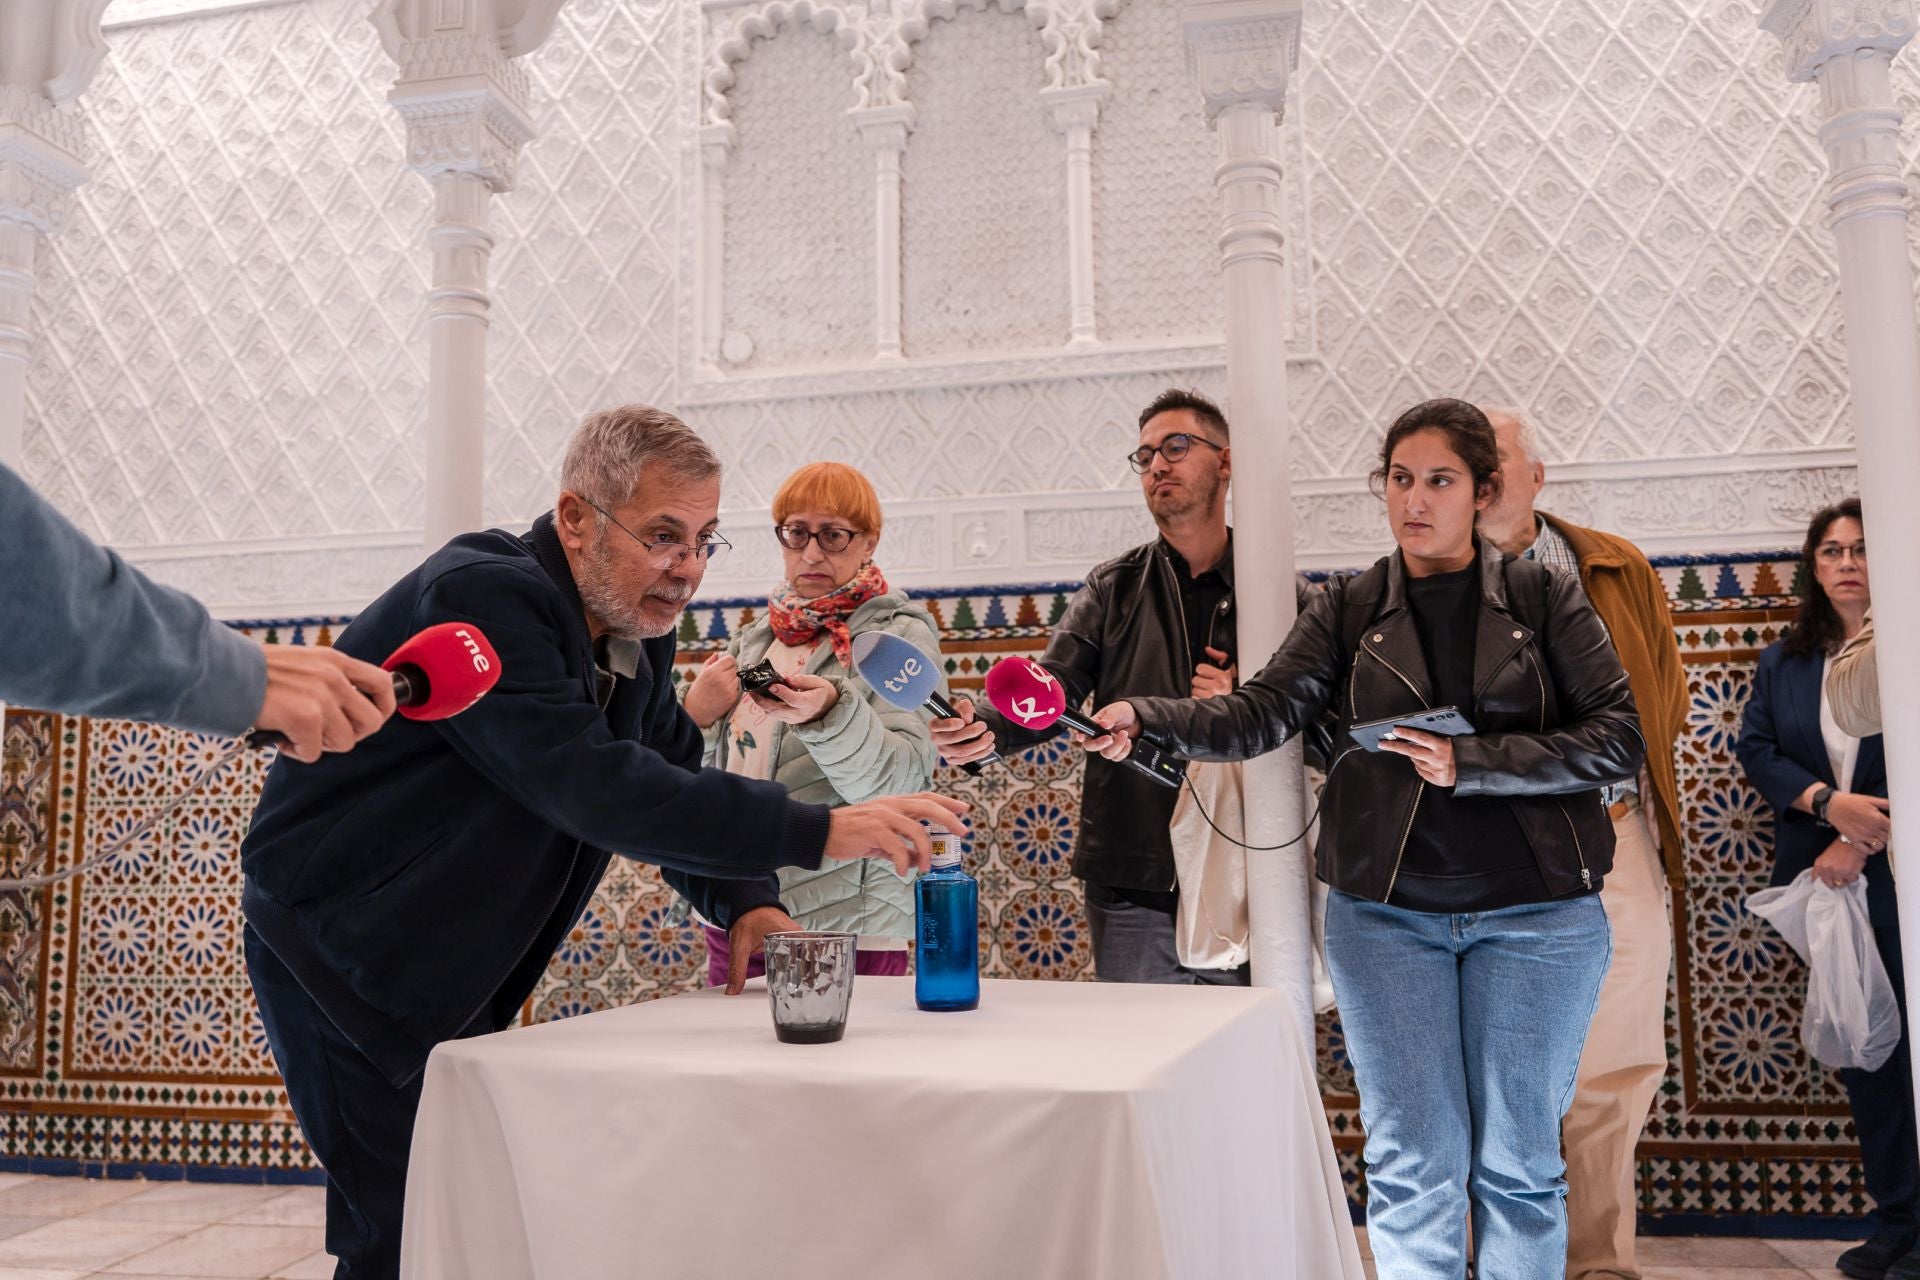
(1077, 107)
(52, 47)
(459, 89)
(41, 161)
(1816, 31)
(716, 143)
(885, 128)
(1243, 51)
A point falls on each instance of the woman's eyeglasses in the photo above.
(794, 537)
(1834, 552)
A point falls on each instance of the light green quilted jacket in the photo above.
(862, 748)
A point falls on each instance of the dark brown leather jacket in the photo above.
(1553, 715)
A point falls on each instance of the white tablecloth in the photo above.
(1060, 1130)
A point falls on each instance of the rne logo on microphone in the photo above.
(908, 670)
(1028, 709)
(480, 662)
(1039, 673)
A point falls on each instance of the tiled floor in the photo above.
(1716, 1258)
(74, 1229)
(69, 1228)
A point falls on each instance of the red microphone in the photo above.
(437, 673)
(1032, 697)
(442, 671)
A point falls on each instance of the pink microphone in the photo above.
(1032, 697)
(1029, 695)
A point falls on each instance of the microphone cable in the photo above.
(112, 851)
(1269, 848)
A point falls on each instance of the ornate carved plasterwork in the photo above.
(132, 13)
(1813, 31)
(77, 47)
(1241, 59)
(732, 42)
(464, 103)
(40, 158)
(879, 37)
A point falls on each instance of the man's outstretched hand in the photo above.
(894, 828)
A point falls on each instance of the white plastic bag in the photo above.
(1213, 930)
(1851, 1019)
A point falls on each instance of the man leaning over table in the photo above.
(414, 891)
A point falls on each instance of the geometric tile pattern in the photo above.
(127, 1033)
(128, 1036)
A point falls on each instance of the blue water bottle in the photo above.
(946, 922)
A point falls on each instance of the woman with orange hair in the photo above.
(823, 733)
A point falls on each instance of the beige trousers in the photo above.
(1621, 1067)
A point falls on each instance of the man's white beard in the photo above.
(619, 613)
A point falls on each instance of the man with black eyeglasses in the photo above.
(1156, 621)
(414, 891)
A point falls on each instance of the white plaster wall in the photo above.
(1612, 213)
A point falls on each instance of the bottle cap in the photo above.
(946, 849)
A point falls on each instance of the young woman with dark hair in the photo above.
(1464, 933)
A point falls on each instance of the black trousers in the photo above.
(1883, 1117)
(358, 1124)
(1133, 940)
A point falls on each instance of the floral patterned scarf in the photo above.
(797, 621)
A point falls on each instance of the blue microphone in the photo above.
(905, 677)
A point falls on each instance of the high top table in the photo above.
(1062, 1129)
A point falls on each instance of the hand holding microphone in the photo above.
(1027, 693)
(962, 739)
(319, 700)
(908, 678)
(1120, 725)
(322, 700)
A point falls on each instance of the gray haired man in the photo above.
(414, 891)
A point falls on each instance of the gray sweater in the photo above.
(84, 632)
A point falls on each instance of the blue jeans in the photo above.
(1464, 1032)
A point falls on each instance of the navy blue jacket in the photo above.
(1783, 753)
(424, 879)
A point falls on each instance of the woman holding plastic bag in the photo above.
(1828, 792)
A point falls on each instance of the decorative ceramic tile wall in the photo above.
(127, 1036)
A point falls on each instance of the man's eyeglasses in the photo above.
(1173, 448)
(794, 537)
(1833, 552)
(668, 552)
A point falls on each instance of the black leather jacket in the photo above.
(1553, 715)
(1123, 636)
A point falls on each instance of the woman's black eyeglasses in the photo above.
(794, 537)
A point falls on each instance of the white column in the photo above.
(716, 148)
(885, 130)
(457, 305)
(1848, 48)
(1242, 52)
(49, 50)
(464, 101)
(1074, 112)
